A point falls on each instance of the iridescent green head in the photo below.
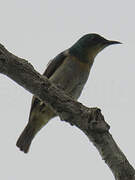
(88, 46)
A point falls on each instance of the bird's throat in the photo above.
(81, 53)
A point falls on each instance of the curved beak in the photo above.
(112, 42)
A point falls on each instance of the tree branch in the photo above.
(89, 120)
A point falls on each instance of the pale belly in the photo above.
(71, 77)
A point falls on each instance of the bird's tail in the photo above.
(25, 139)
(37, 120)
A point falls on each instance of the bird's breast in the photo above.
(71, 76)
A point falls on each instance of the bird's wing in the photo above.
(51, 68)
(54, 64)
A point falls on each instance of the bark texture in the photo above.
(89, 120)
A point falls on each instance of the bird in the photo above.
(69, 71)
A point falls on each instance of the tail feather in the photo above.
(25, 139)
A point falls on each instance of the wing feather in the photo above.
(54, 64)
(51, 68)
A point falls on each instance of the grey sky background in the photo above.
(38, 30)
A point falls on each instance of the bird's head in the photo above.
(88, 46)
